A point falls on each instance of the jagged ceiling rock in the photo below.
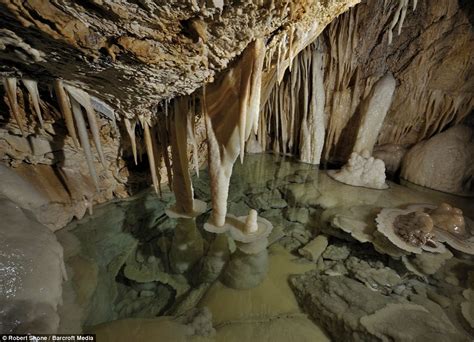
(134, 53)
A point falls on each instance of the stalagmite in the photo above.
(130, 127)
(84, 99)
(362, 170)
(32, 87)
(10, 88)
(65, 107)
(149, 151)
(186, 205)
(374, 112)
(225, 131)
(84, 138)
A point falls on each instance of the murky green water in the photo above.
(129, 263)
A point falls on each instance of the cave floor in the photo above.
(135, 274)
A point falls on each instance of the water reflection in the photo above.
(135, 261)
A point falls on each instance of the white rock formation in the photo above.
(362, 170)
(391, 154)
(227, 134)
(374, 111)
(443, 162)
(313, 127)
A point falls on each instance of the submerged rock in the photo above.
(409, 322)
(245, 271)
(300, 215)
(427, 263)
(313, 250)
(350, 311)
(377, 277)
(336, 252)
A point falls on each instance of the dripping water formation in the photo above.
(224, 171)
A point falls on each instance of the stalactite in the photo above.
(84, 138)
(84, 99)
(156, 155)
(32, 87)
(149, 151)
(65, 107)
(296, 109)
(105, 109)
(250, 93)
(130, 127)
(311, 148)
(224, 131)
(165, 142)
(10, 88)
(399, 18)
(191, 129)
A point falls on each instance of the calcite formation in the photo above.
(443, 162)
(362, 170)
(415, 228)
(450, 219)
(228, 133)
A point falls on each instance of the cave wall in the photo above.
(431, 60)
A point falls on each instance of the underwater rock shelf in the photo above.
(134, 265)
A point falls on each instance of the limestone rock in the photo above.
(32, 271)
(338, 303)
(429, 263)
(300, 215)
(376, 277)
(443, 162)
(348, 310)
(313, 250)
(336, 252)
(417, 322)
